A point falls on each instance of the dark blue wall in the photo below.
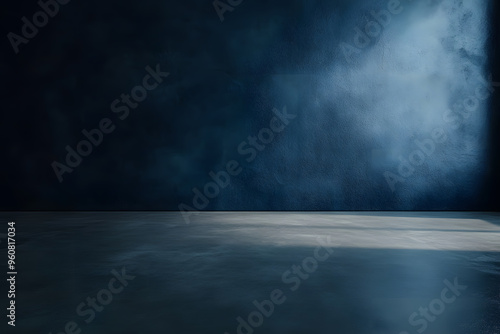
(359, 115)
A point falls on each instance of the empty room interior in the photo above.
(245, 167)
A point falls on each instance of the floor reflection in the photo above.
(386, 273)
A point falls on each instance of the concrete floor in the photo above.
(342, 272)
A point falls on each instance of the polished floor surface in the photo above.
(237, 272)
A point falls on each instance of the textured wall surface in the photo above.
(303, 105)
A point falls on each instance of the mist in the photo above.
(361, 113)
